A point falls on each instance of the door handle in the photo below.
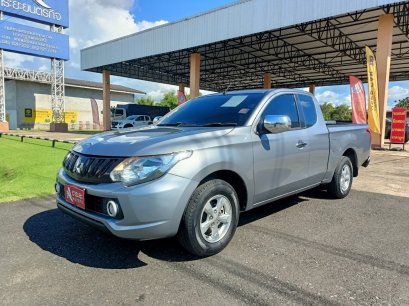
(301, 144)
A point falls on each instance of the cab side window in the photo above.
(119, 112)
(284, 105)
(307, 105)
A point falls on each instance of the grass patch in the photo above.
(28, 169)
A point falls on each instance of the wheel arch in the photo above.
(235, 180)
(351, 154)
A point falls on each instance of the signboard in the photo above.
(39, 116)
(45, 116)
(20, 38)
(28, 112)
(398, 125)
(71, 117)
(43, 11)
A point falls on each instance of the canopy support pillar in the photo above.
(312, 89)
(194, 75)
(383, 59)
(267, 80)
(106, 80)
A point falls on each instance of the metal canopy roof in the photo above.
(299, 42)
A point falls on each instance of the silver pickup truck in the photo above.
(209, 159)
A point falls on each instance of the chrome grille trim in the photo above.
(90, 169)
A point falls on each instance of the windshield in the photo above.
(117, 111)
(131, 117)
(214, 110)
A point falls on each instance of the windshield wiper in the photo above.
(220, 124)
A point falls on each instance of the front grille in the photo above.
(90, 169)
(114, 123)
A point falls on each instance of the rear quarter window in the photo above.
(307, 106)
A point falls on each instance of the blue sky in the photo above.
(173, 10)
(102, 20)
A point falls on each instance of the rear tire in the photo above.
(341, 183)
(210, 219)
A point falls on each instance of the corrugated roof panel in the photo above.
(237, 20)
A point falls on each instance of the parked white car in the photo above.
(131, 121)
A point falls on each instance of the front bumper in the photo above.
(151, 210)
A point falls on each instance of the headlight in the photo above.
(137, 170)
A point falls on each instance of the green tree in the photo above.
(338, 113)
(327, 109)
(145, 101)
(403, 103)
(342, 113)
(169, 100)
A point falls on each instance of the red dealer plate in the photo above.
(75, 195)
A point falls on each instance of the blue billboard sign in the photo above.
(20, 38)
(44, 11)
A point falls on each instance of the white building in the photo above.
(28, 104)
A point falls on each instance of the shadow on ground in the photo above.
(63, 236)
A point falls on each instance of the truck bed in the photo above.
(348, 135)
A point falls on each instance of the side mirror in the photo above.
(156, 120)
(276, 123)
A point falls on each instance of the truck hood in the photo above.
(151, 140)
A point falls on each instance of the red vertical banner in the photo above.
(357, 100)
(181, 97)
(398, 127)
(95, 115)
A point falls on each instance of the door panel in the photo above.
(318, 144)
(279, 165)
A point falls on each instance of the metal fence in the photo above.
(53, 140)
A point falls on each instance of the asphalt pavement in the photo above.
(307, 249)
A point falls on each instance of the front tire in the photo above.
(341, 183)
(210, 219)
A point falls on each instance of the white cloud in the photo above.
(96, 21)
(44, 68)
(16, 60)
(160, 90)
(73, 43)
(102, 20)
(397, 92)
(333, 97)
